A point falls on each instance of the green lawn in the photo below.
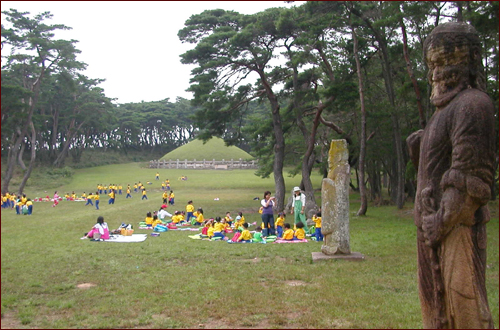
(172, 281)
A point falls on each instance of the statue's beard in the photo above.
(450, 81)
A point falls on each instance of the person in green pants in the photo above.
(298, 205)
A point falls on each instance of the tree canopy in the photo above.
(280, 84)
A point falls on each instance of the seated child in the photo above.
(257, 236)
(99, 232)
(245, 236)
(288, 234)
(149, 220)
(210, 228)
(176, 217)
(300, 233)
(199, 217)
(220, 227)
(156, 221)
(226, 227)
(228, 218)
(280, 221)
(239, 221)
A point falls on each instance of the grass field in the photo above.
(52, 279)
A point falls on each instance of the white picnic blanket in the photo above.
(127, 239)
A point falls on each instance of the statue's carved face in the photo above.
(448, 73)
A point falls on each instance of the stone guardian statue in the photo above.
(454, 155)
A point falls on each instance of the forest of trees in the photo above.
(321, 71)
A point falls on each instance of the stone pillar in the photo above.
(335, 201)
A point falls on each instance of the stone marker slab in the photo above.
(353, 256)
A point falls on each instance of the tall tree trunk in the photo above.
(15, 148)
(397, 140)
(309, 139)
(20, 157)
(27, 174)
(279, 156)
(279, 145)
(54, 133)
(412, 76)
(70, 137)
(307, 163)
(11, 162)
(362, 150)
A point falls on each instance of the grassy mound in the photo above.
(213, 149)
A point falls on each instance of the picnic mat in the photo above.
(297, 241)
(127, 239)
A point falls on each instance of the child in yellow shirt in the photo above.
(149, 220)
(29, 204)
(176, 218)
(156, 221)
(239, 221)
(229, 219)
(245, 236)
(280, 221)
(219, 228)
(96, 198)
(288, 233)
(209, 225)
(300, 233)
(317, 223)
(189, 211)
(199, 217)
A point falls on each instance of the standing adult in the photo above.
(267, 214)
(454, 155)
(298, 205)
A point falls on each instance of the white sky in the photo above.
(133, 44)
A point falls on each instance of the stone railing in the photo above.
(204, 164)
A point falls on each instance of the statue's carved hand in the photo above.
(432, 229)
(428, 202)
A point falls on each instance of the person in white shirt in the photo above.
(99, 232)
(162, 213)
(298, 205)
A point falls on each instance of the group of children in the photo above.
(168, 197)
(285, 231)
(22, 204)
(216, 228)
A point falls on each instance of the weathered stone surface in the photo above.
(335, 201)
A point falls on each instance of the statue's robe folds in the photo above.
(455, 172)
